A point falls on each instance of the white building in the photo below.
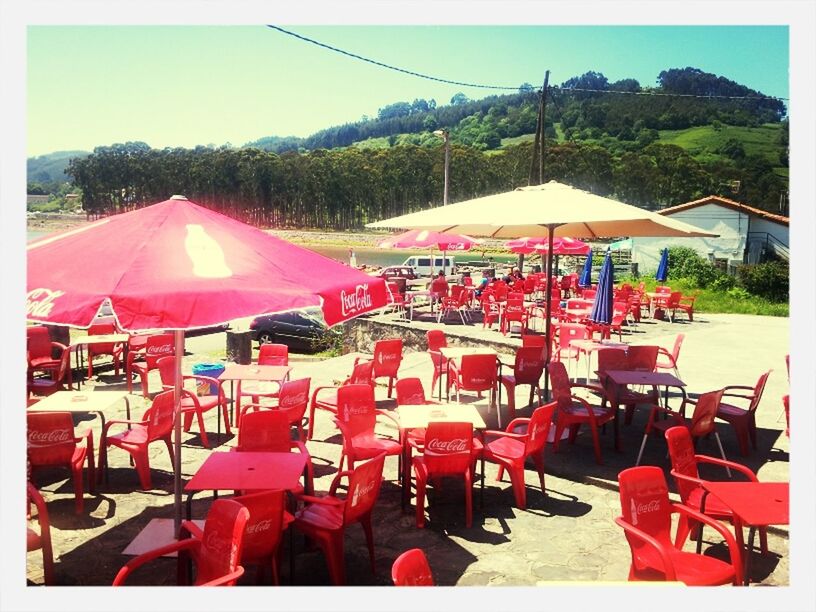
(745, 234)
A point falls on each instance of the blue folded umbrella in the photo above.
(585, 279)
(663, 267)
(602, 306)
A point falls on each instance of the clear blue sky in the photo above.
(190, 85)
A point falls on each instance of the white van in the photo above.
(422, 264)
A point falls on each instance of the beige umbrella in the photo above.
(552, 209)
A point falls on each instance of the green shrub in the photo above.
(768, 280)
(687, 263)
(724, 282)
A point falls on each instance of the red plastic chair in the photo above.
(678, 301)
(324, 519)
(701, 424)
(411, 569)
(40, 350)
(325, 398)
(269, 431)
(523, 437)
(458, 301)
(156, 347)
(192, 404)
(264, 531)
(293, 400)
(646, 521)
(574, 411)
(55, 379)
(567, 332)
(438, 289)
(114, 349)
(670, 363)
(156, 424)
(448, 451)
(387, 359)
(356, 418)
(52, 442)
(743, 420)
(477, 373)
(41, 540)
(514, 312)
(215, 551)
(411, 393)
(490, 309)
(269, 354)
(690, 486)
(527, 370)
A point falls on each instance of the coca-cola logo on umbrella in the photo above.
(40, 301)
(356, 301)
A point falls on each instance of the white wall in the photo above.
(731, 225)
(777, 230)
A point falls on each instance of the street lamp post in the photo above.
(445, 135)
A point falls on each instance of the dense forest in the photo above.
(601, 138)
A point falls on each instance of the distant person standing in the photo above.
(352, 258)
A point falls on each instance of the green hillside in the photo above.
(706, 142)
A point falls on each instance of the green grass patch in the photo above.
(704, 142)
(508, 142)
(714, 301)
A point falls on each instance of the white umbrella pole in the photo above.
(177, 431)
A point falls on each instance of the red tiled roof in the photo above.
(739, 206)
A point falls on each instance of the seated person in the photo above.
(482, 285)
(439, 288)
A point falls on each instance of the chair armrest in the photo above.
(656, 410)
(59, 345)
(728, 464)
(495, 433)
(227, 578)
(515, 423)
(140, 560)
(316, 390)
(733, 549)
(121, 422)
(668, 566)
(191, 529)
(326, 501)
(388, 415)
(740, 396)
(738, 387)
(686, 478)
(365, 356)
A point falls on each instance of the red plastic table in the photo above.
(270, 373)
(756, 504)
(622, 378)
(247, 471)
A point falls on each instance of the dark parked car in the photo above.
(301, 330)
(406, 272)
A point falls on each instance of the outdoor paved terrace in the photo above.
(568, 534)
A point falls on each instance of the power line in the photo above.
(381, 64)
(505, 87)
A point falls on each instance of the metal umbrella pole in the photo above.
(547, 309)
(179, 350)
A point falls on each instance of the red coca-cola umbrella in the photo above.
(540, 244)
(175, 266)
(427, 239)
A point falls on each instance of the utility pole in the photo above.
(445, 135)
(538, 144)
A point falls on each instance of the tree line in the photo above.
(345, 188)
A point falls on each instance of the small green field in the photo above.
(704, 142)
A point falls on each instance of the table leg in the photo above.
(190, 505)
(746, 568)
(406, 474)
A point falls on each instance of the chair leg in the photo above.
(79, 491)
(333, 549)
(420, 501)
(517, 481)
(538, 459)
(722, 452)
(468, 499)
(202, 430)
(311, 420)
(596, 443)
(642, 446)
(369, 535)
(143, 469)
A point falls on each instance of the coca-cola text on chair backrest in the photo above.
(361, 374)
(644, 499)
(262, 534)
(294, 398)
(538, 429)
(387, 357)
(161, 416)
(528, 366)
(159, 346)
(478, 372)
(356, 408)
(448, 447)
(560, 383)
(222, 542)
(50, 438)
(363, 488)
